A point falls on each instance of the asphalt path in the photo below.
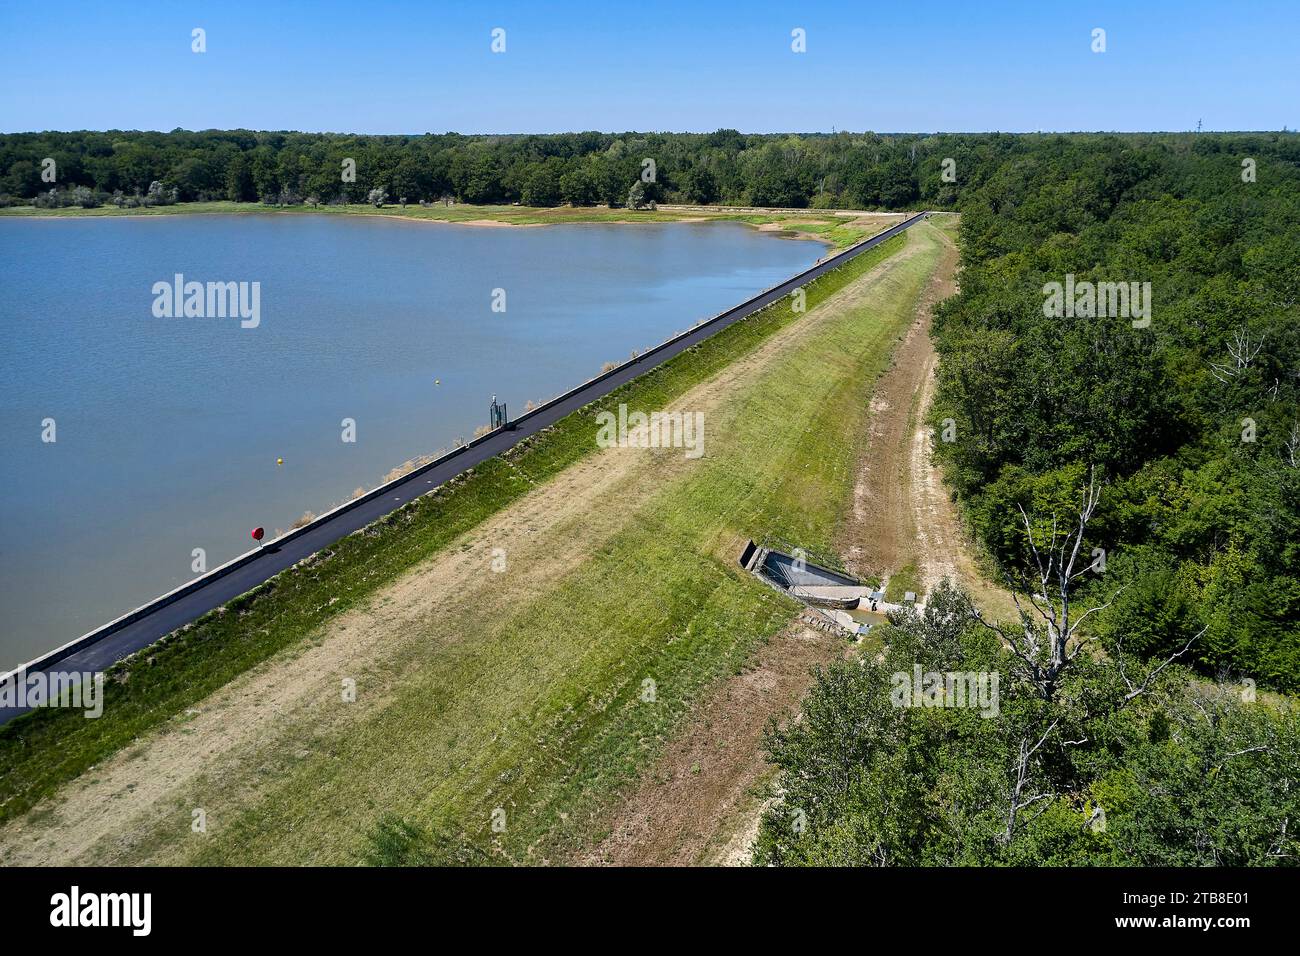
(106, 645)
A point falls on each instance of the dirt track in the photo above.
(902, 513)
(698, 804)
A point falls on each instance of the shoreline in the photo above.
(774, 229)
(781, 223)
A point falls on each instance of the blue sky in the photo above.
(412, 67)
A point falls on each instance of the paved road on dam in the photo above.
(99, 649)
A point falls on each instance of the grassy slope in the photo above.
(832, 229)
(49, 747)
(542, 717)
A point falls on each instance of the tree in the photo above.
(577, 187)
(239, 180)
(700, 186)
(1104, 773)
(159, 195)
(194, 179)
(266, 174)
(543, 186)
(377, 197)
(24, 178)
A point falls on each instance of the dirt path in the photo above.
(228, 748)
(903, 518)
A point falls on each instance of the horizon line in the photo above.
(671, 132)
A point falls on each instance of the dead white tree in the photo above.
(1021, 776)
(1242, 351)
(1137, 687)
(1049, 638)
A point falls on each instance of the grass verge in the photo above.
(907, 578)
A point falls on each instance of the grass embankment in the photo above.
(838, 231)
(49, 747)
(541, 718)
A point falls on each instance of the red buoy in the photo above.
(258, 533)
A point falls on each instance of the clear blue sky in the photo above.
(411, 66)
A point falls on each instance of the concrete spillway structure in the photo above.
(811, 583)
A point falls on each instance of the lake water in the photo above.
(168, 429)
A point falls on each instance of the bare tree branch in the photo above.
(1242, 351)
(1155, 671)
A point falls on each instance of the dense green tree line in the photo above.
(856, 170)
(1194, 419)
(850, 170)
(853, 170)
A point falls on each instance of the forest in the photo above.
(1193, 418)
(851, 170)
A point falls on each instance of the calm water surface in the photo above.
(168, 430)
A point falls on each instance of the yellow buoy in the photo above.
(279, 461)
(437, 381)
